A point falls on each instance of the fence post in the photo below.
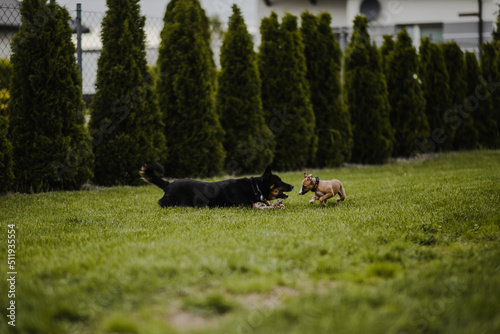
(79, 37)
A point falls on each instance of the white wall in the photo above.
(337, 8)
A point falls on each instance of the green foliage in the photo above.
(485, 120)
(323, 59)
(386, 48)
(5, 73)
(285, 93)
(248, 141)
(208, 28)
(126, 123)
(6, 165)
(4, 100)
(51, 146)
(185, 90)
(434, 78)
(466, 135)
(406, 98)
(268, 61)
(367, 98)
(422, 252)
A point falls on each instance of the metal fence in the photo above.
(91, 45)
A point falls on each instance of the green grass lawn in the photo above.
(415, 248)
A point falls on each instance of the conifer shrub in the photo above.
(202, 24)
(323, 59)
(50, 144)
(465, 134)
(5, 73)
(367, 98)
(408, 118)
(248, 141)
(285, 93)
(126, 123)
(6, 173)
(185, 90)
(386, 48)
(486, 119)
(434, 80)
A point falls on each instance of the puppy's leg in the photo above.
(324, 198)
(313, 199)
(341, 194)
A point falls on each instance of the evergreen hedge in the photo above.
(367, 98)
(406, 98)
(434, 78)
(269, 63)
(126, 123)
(386, 48)
(486, 118)
(201, 24)
(289, 111)
(248, 141)
(455, 66)
(185, 89)
(323, 59)
(467, 136)
(5, 73)
(6, 164)
(51, 146)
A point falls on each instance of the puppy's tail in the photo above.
(147, 173)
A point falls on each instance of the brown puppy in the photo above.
(323, 190)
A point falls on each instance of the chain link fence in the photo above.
(91, 45)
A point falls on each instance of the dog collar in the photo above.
(315, 187)
(256, 191)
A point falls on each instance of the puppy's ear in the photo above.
(305, 175)
(267, 172)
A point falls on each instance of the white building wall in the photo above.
(417, 15)
(337, 8)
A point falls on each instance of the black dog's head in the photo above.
(273, 187)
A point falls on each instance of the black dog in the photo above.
(231, 192)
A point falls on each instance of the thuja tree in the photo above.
(202, 24)
(127, 126)
(466, 135)
(455, 66)
(192, 128)
(290, 112)
(6, 173)
(51, 147)
(386, 48)
(5, 73)
(248, 141)
(323, 59)
(367, 98)
(434, 78)
(485, 118)
(269, 60)
(406, 98)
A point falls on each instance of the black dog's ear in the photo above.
(267, 172)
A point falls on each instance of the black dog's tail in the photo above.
(148, 174)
